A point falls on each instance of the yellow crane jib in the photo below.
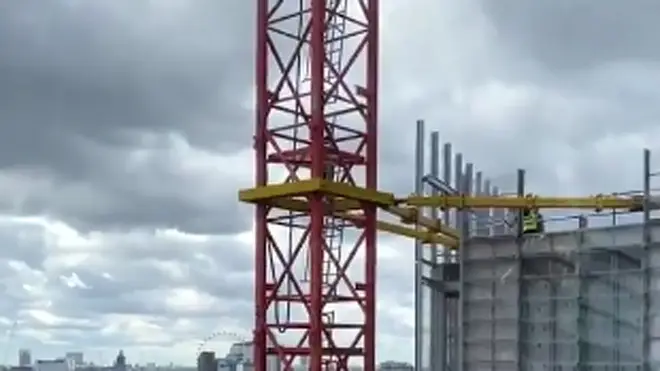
(598, 202)
(412, 216)
(426, 236)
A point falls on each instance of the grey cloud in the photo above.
(118, 283)
(395, 276)
(98, 70)
(83, 87)
(394, 324)
(577, 35)
(122, 279)
(91, 87)
(161, 192)
(25, 245)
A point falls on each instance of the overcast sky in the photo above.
(126, 132)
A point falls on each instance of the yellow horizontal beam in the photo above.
(344, 200)
(341, 206)
(411, 215)
(351, 192)
(301, 204)
(422, 235)
(425, 236)
(351, 197)
(290, 197)
(265, 194)
(486, 202)
(281, 190)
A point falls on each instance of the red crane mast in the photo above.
(316, 117)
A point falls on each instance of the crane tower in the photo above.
(316, 118)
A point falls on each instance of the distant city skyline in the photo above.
(238, 355)
(97, 356)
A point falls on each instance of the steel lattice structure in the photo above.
(316, 118)
(316, 173)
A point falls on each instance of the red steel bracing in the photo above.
(303, 129)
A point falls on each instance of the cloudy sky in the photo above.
(126, 132)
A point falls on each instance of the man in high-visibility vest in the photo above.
(532, 222)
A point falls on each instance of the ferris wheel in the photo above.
(218, 335)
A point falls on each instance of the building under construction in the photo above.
(580, 297)
(577, 300)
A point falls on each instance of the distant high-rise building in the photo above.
(206, 361)
(24, 357)
(120, 361)
(78, 358)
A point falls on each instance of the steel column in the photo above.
(419, 256)
(462, 185)
(645, 265)
(520, 190)
(444, 356)
(438, 331)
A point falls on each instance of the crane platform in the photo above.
(343, 200)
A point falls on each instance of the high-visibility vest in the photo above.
(531, 222)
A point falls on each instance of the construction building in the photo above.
(581, 296)
(576, 300)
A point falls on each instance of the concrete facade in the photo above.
(567, 301)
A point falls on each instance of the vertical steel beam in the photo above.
(261, 179)
(466, 231)
(646, 257)
(458, 178)
(478, 214)
(488, 228)
(446, 343)
(519, 282)
(371, 10)
(520, 190)
(318, 165)
(463, 187)
(581, 296)
(447, 175)
(438, 314)
(419, 264)
(458, 313)
(469, 190)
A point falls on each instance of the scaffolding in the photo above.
(580, 297)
